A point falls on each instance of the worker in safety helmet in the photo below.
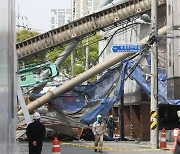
(110, 125)
(35, 133)
(98, 130)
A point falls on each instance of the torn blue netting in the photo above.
(107, 103)
(88, 101)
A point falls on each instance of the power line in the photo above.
(28, 28)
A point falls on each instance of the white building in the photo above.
(60, 17)
(82, 8)
(132, 35)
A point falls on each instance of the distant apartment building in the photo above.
(82, 8)
(60, 17)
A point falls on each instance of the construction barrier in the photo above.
(56, 147)
(163, 144)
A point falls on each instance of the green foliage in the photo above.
(34, 59)
(54, 54)
(67, 65)
(79, 55)
(25, 34)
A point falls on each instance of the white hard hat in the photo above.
(111, 116)
(99, 116)
(36, 116)
(178, 113)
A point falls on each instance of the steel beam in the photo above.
(83, 27)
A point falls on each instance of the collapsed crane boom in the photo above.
(83, 26)
(112, 60)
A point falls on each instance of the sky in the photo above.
(38, 12)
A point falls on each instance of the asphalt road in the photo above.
(87, 148)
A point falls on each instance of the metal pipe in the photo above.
(70, 48)
(113, 3)
(104, 3)
(66, 53)
(110, 61)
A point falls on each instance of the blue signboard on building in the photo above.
(127, 48)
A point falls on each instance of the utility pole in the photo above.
(154, 80)
(72, 65)
(72, 57)
(122, 116)
(87, 53)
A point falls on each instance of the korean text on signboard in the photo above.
(127, 48)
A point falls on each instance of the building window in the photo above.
(52, 20)
(170, 63)
(52, 27)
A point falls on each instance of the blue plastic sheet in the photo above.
(107, 103)
(90, 100)
(83, 96)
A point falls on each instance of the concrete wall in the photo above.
(137, 122)
(145, 122)
(173, 54)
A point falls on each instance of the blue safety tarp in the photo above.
(106, 103)
(87, 96)
(85, 102)
(162, 84)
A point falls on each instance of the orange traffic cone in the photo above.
(56, 147)
(163, 144)
(176, 133)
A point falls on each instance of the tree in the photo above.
(34, 59)
(51, 56)
(79, 55)
(25, 34)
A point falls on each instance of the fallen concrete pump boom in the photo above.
(85, 26)
(70, 48)
(112, 60)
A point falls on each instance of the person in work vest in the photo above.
(35, 133)
(110, 126)
(98, 130)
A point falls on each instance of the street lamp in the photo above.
(145, 19)
(141, 21)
